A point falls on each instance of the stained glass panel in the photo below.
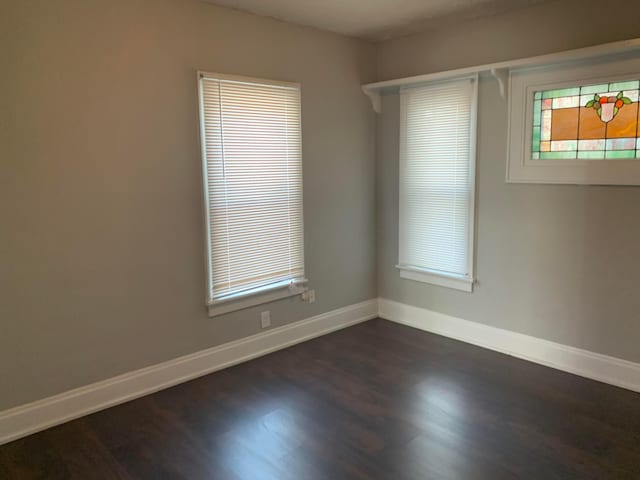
(591, 122)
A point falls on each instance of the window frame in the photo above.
(262, 294)
(426, 275)
(521, 167)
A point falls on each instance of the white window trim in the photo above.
(257, 296)
(433, 277)
(445, 279)
(521, 168)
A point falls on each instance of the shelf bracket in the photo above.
(502, 76)
(376, 101)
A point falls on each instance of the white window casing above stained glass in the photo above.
(576, 123)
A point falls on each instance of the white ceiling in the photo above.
(375, 19)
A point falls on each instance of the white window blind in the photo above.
(437, 178)
(251, 139)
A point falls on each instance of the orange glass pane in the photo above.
(591, 127)
(545, 146)
(625, 123)
(564, 124)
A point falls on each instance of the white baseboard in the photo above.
(587, 364)
(33, 417)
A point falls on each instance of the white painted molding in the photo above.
(250, 299)
(457, 282)
(522, 167)
(374, 97)
(595, 366)
(33, 417)
(502, 76)
(613, 48)
(500, 70)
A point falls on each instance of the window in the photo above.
(576, 122)
(252, 169)
(437, 183)
(587, 122)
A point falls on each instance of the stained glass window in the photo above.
(588, 122)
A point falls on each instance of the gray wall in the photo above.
(556, 262)
(101, 248)
(553, 26)
(101, 251)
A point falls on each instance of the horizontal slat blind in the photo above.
(253, 168)
(436, 184)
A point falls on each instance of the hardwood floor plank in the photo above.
(83, 454)
(374, 401)
(32, 458)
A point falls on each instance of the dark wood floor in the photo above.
(375, 401)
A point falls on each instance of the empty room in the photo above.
(320, 240)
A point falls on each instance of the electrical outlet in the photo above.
(309, 296)
(265, 319)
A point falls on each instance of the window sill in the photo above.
(253, 298)
(456, 282)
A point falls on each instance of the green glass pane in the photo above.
(535, 155)
(557, 155)
(621, 154)
(535, 139)
(537, 96)
(616, 87)
(537, 109)
(591, 154)
(591, 89)
(564, 92)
